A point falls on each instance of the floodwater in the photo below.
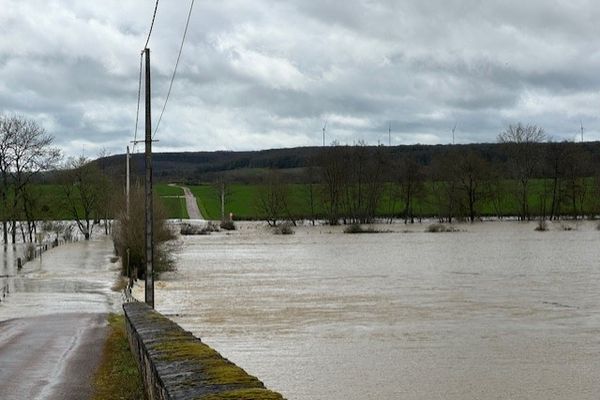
(496, 311)
(52, 320)
(72, 278)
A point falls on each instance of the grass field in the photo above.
(243, 201)
(51, 202)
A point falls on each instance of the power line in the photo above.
(152, 23)
(137, 114)
(187, 24)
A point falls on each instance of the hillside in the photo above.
(250, 166)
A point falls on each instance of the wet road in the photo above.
(54, 321)
(50, 357)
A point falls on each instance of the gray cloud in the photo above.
(268, 73)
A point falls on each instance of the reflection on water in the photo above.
(498, 311)
(76, 277)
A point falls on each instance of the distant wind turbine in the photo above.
(390, 134)
(453, 130)
(324, 130)
(581, 122)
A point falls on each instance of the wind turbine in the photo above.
(390, 134)
(453, 130)
(324, 129)
(581, 122)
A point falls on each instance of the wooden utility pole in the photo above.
(127, 184)
(149, 292)
(223, 201)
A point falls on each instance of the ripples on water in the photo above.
(498, 311)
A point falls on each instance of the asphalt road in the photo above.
(61, 301)
(50, 357)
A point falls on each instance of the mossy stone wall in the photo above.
(175, 365)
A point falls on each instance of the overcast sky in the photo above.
(268, 73)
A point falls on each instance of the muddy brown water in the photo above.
(497, 311)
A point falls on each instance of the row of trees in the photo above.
(27, 157)
(359, 183)
(25, 150)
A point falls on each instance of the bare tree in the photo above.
(84, 186)
(524, 158)
(472, 173)
(273, 199)
(30, 151)
(223, 191)
(332, 167)
(6, 139)
(445, 186)
(412, 185)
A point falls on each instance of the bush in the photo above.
(354, 228)
(228, 225)
(357, 228)
(542, 226)
(189, 229)
(284, 229)
(440, 228)
(129, 234)
(30, 252)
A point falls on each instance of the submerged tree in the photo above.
(25, 151)
(85, 189)
(521, 143)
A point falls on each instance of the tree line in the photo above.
(27, 156)
(357, 184)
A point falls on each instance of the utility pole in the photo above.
(223, 201)
(127, 184)
(149, 292)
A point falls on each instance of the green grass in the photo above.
(118, 376)
(175, 206)
(162, 189)
(243, 201)
(51, 202)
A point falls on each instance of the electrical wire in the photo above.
(139, 95)
(151, 24)
(187, 24)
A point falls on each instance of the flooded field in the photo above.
(496, 311)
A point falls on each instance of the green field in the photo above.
(51, 204)
(243, 201)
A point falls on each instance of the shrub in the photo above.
(190, 229)
(129, 234)
(284, 229)
(440, 228)
(30, 252)
(542, 226)
(228, 225)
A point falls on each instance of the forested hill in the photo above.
(250, 166)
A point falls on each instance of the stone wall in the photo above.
(175, 365)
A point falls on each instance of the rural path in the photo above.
(53, 321)
(191, 204)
